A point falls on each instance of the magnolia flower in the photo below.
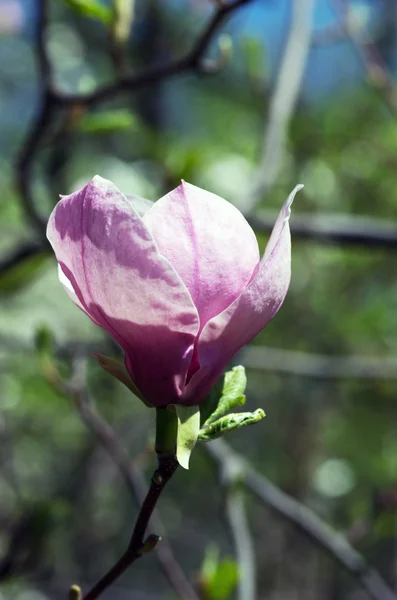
(178, 283)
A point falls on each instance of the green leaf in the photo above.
(91, 9)
(109, 121)
(188, 430)
(234, 384)
(218, 578)
(228, 423)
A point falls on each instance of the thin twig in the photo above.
(378, 74)
(167, 464)
(284, 98)
(351, 230)
(192, 61)
(336, 32)
(41, 124)
(132, 475)
(302, 517)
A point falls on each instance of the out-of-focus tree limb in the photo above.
(318, 366)
(192, 61)
(242, 539)
(344, 30)
(40, 125)
(333, 229)
(378, 74)
(233, 467)
(284, 98)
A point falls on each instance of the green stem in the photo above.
(166, 430)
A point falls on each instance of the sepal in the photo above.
(119, 371)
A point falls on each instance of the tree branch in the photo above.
(377, 72)
(167, 464)
(52, 99)
(245, 553)
(232, 466)
(318, 366)
(333, 229)
(134, 481)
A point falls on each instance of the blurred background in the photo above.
(308, 96)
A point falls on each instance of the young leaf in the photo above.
(234, 385)
(218, 577)
(228, 423)
(188, 430)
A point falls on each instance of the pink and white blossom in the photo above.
(179, 283)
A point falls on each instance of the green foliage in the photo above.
(218, 577)
(228, 423)
(107, 122)
(226, 395)
(91, 10)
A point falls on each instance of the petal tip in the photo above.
(290, 199)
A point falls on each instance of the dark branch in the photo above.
(233, 467)
(331, 229)
(193, 61)
(40, 126)
(52, 99)
(318, 366)
(134, 481)
(167, 465)
(22, 252)
(136, 484)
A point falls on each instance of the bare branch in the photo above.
(318, 366)
(351, 230)
(245, 553)
(377, 72)
(132, 475)
(52, 99)
(302, 517)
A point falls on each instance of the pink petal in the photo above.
(208, 242)
(126, 286)
(226, 333)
